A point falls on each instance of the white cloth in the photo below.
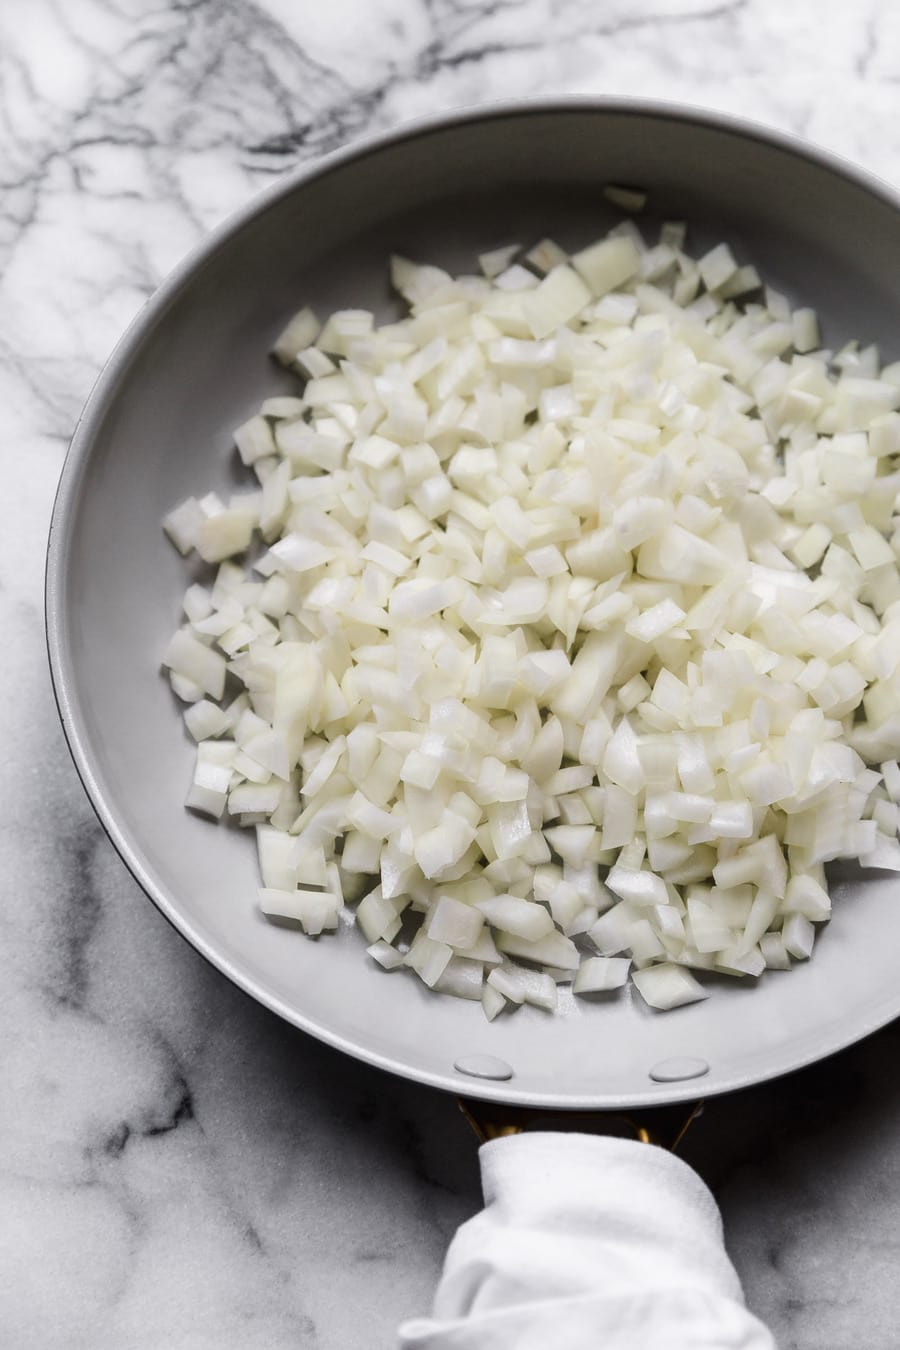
(588, 1243)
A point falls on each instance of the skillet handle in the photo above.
(664, 1126)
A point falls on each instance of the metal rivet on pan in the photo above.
(674, 1070)
(483, 1066)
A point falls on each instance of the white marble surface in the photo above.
(177, 1168)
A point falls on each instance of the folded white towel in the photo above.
(588, 1243)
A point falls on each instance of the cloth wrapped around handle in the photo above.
(588, 1243)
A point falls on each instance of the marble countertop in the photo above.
(178, 1168)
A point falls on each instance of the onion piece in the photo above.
(667, 986)
(600, 974)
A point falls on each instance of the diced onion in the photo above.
(562, 626)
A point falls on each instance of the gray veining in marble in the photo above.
(177, 1168)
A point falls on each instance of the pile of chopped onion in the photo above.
(562, 627)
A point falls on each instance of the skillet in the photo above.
(157, 428)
